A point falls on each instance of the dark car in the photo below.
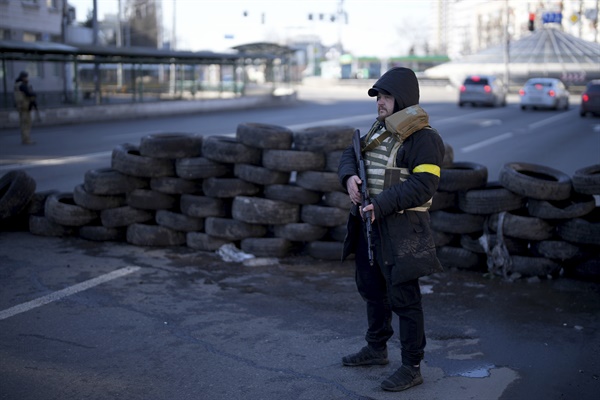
(485, 90)
(590, 99)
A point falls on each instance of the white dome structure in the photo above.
(548, 52)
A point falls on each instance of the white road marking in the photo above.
(508, 135)
(549, 120)
(487, 142)
(489, 122)
(56, 161)
(21, 308)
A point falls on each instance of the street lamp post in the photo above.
(506, 46)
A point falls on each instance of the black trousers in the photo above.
(384, 297)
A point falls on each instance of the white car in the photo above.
(544, 93)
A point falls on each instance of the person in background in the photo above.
(24, 101)
(402, 156)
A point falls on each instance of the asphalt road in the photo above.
(489, 136)
(90, 320)
(114, 321)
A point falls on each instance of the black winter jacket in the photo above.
(407, 241)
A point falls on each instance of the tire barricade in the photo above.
(534, 221)
(274, 192)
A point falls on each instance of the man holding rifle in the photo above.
(388, 227)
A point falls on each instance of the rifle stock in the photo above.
(365, 201)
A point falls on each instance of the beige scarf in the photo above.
(405, 122)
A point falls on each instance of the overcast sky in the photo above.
(380, 28)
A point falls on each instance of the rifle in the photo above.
(362, 174)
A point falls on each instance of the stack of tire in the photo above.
(270, 190)
(533, 221)
(275, 192)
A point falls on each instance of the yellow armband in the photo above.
(431, 168)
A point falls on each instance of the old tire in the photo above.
(145, 199)
(154, 235)
(291, 194)
(555, 249)
(533, 266)
(175, 185)
(124, 216)
(225, 149)
(228, 187)
(266, 247)
(300, 232)
(576, 206)
(264, 136)
(587, 180)
(522, 226)
(99, 233)
(202, 206)
(109, 182)
(179, 222)
(170, 145)
(293, 160)
(257, 210)
(232, 229)
(338, 200)
(323, 138)
(323, 215)
(126, 158)
(332, 160)
(200, 168)
(95, 201)
(462, 176)
(62, 209)
(324, 250)
(585, 230)
(16, 190)
(319, 181)
(452, 221)
(204, 242)
(42, 226)
(260, 175)
(491, 198)
(448, 156)
(459, 258)
(535, 181)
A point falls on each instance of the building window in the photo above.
(31, 37)
(30, 3)
(52, 4)
(35, 69)
(4, 34)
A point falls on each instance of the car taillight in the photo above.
(463, 88)
(585, 97)
(521, 92)
(551, 93)
(487, 88)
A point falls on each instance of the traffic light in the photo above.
(530, 25)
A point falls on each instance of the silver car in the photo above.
(544, 93)
(487, 90)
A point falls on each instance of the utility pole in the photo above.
(506, 46)
(173, 46)
(119, 44)
(95, 43)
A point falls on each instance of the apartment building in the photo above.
(33, 21)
